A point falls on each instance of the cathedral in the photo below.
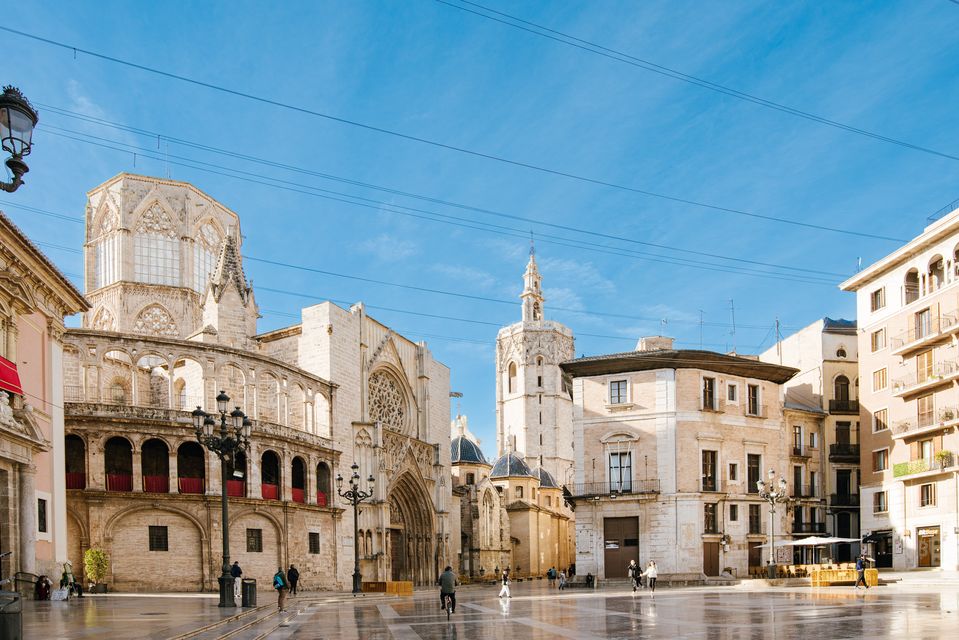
(174, 322)
(513, 512)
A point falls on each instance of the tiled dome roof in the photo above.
(546, 480)
(510, 465)
(462, 449)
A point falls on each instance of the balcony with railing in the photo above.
(191, 485)
(156, 484)
(800, 452)
(923, 334)
(119, 482)
(76, 480)
(805, 491)
(943, 460)
(942, 418)
(941, 373)
(808, 527)
(844, 500)
(843, 452)
(612, 490)
(847, 407)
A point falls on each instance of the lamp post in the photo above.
(355, 496)
(774, 493)
(233, 436)
(17, 120)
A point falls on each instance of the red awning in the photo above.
(9, 378)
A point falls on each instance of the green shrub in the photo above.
(97, 564)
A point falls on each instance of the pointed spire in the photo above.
(532, 295)
(229, 270)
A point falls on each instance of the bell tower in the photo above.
(534, 407)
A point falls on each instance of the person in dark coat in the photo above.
(237, 574)
(292, 576)
(861, 571)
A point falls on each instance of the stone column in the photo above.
(137, 469)
(174, 472)
(28, 518)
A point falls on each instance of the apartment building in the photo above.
(908, 315)
(669, 445)
(822, 415)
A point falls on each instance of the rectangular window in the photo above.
(734, 513)
(709, 518)
(927, 495)
(41, 515)
(733, 472)
(254, 540)
(752, 395)
(878, 339)
(813, 484)
(621, 471)
(922, 324)
(880, 460)
(314, 542)
(755, 519)
(549, 501)
(752, 472)
(797, 439)
(539, 381)
(158, 539)
(925, 450)
(879, 502)
(709, 393)
(732, 392)
(924, 366)
(519, 492)
(879, 380)
(813, 440)
(880, 420)
(709, 470)
(877, 299)
(156, 259)
(924, 410)
(617, 392)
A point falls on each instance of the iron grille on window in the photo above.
(314, 542)
(709, 518)
(158, 539)
(254, 540)
(752, 471)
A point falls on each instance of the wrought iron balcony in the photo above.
(809, 527)
(611, 490)
(920, 334)
(844, 499)
(800, 452)
(844, 406)
(843, 452)
(805, 491)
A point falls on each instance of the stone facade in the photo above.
(173, 323)
(669, 444)
(34, 299)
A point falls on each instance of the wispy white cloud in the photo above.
(469, 277)
(585, 276)
(388, 248)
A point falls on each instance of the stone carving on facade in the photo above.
(399, 447)
(156, 221)
(155, 321)
(104, 320)
(387, 402)
(379, 349)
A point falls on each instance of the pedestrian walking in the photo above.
(504, 578)
(562, 580)
(293, 576)
(280, 584)
(650, 574)
(237, 574)
(634, 572)
(551, 576)
(861, 571)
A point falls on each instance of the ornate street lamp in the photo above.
(773, 493)
(355, 496)
(17, 120)
(233, 436)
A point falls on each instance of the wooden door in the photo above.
(397, 555)
(711, 558)
(621, 544)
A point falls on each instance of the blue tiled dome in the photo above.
(462, 449)
(510, 465)
(546, 481)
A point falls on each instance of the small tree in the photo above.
(96, 563)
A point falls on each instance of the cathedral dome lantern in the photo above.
(465, 451)
(532, 295)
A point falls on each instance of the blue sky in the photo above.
(436, 72)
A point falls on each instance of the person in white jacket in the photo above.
(650, 575)
(505, 580)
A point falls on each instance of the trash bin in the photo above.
(771, 571)
(248, 592)
(11, 615)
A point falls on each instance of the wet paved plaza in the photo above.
(921, 607)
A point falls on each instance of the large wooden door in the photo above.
(397, 555)
(711, 558)
(621, 543)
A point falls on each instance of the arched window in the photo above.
(536, 311)
(206, 246)
(511, 378)
(936, 273)
(270, 476)
(298, 475)
(842, 389)
(488, 508)
(155, 463)
(76, 462)
(841, 352)
(911, 286)
(118, 463)
(191, 468)
(106, 252)
(156, 257)
(322, 484)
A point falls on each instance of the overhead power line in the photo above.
(619, 56)
(326, 176)
(436, 143)
(380, 206)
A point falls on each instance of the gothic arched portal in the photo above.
(412, 545)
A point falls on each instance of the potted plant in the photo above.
(944, 458)
(97, 565)
(947, 415)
